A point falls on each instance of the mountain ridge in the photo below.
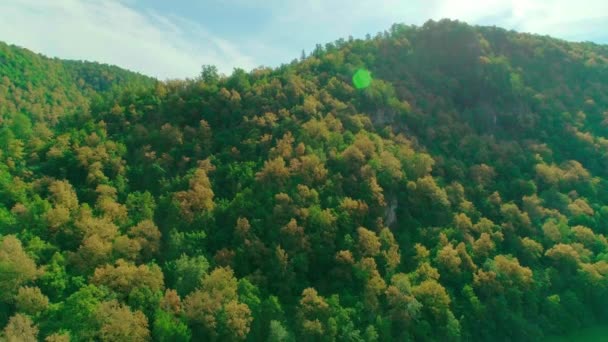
(461, 195)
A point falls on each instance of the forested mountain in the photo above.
(444, 182)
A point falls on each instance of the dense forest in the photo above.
(444, 182)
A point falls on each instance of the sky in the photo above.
(174, 38)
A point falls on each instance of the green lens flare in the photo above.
(362, 78)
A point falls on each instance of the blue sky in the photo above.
(173, 38)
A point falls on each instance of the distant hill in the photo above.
(444, 182)
(44, 88)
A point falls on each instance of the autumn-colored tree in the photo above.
(147, 236)
(237, 320)
(108, 206)
(20, 328)
(94, 250)
(390, 250)
(531, 248)
(503, 274)
(356, 208)
(585, 236)
(16, 268)
(449, 260)
(369, 243)
(171, 302)
(435, 309)
(514, 219)
(125, 277)
(274, 170)
(199, 197)
(309, 168)
(374, 284)
(97, 240)
(118, 323)
(294, 237)
(313, 313)
(429, 197)
(484, 246)
(62, 194)
(125, 248)
(58, 337)
(284, 147)
(31, 300)
(215, 306)
(564, 255)
(463, 223)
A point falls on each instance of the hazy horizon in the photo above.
(172, 40)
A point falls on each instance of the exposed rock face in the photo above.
(390, 215)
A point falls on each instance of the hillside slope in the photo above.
(462, 194)
(44, 89)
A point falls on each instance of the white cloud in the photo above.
(300, 24)
(567, 19)
(110, 31)
(165, 45)
(575, 20)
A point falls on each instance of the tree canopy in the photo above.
(441, 182)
